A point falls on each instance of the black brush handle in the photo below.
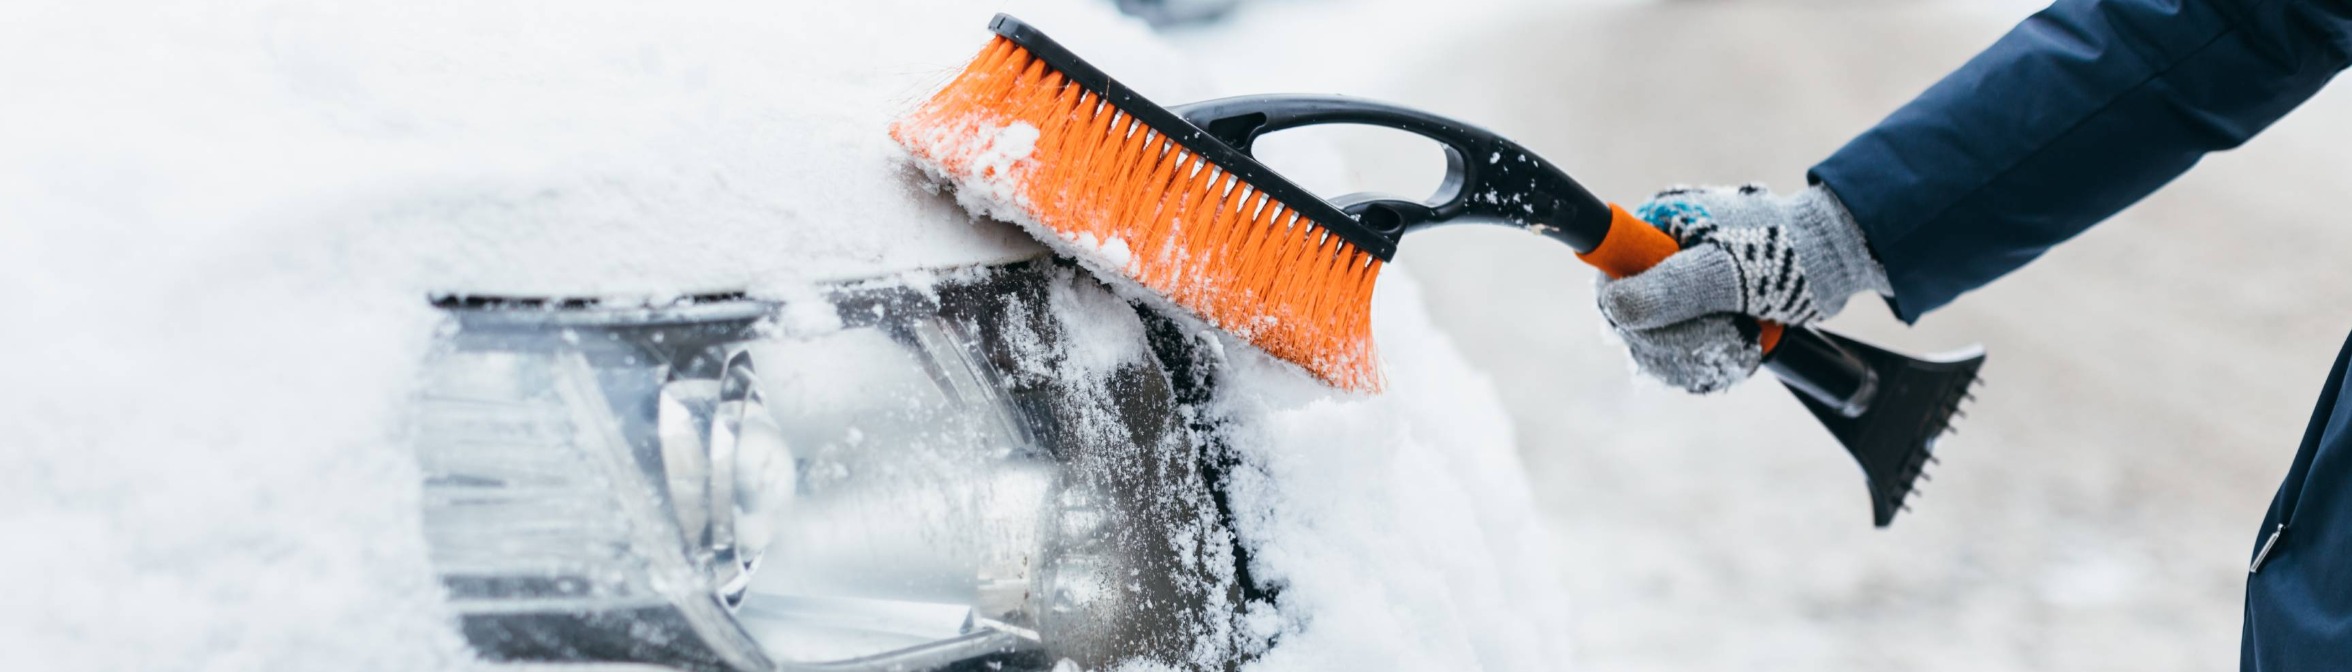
(1492, 179)
(1488, 178)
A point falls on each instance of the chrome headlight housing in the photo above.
(934, 480)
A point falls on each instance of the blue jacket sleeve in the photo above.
(2078, 112)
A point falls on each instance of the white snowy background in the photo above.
(216, 224)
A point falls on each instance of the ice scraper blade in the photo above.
(1887, 408)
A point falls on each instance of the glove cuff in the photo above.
(1831, 249)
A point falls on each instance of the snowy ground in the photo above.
(2147, 383)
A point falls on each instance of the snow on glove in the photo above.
(1789, 259)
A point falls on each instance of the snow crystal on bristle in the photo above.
(1022, 144)
(1112, 251)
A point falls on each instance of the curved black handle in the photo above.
(1492, 179)
(1488, 178)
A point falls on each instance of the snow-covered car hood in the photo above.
(595, 149)
(219, 225)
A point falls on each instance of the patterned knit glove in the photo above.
(1788, 259)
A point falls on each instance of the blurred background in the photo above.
(2147, 383)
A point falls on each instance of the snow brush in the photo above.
(1174, 201)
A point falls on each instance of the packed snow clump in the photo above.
(1398, 527)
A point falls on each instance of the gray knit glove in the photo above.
(1789, 259)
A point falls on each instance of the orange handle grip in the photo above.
(1633, 246)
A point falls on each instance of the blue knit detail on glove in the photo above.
(1661, 213)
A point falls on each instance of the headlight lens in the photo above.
(689, 486)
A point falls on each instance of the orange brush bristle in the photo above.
(1127, 199)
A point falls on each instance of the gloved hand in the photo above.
(1789, 259)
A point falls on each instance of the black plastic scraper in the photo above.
(1888, 408)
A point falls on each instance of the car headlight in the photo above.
(930, 483)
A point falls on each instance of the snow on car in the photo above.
(424, 335)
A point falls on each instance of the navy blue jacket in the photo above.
(2078, 112)
(2081, 111)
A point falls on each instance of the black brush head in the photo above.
(1893, 437)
